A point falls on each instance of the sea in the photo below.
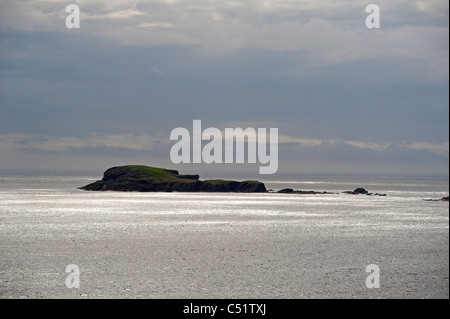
(224, 245)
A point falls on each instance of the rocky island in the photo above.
(139, 178)
(443, 199)
(362, 191)
(300, 192)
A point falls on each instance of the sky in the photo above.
(344, 98)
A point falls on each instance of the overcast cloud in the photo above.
(343, 96)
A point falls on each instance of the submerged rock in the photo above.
(362, 191)
(286, 191)
(152, 179)
(443, 199)
(291, 191)
(357, 191)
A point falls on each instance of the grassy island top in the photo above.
(154, 172)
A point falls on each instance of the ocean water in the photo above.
(224, 245)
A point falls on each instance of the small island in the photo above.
(139, 178)
(362, 191)
(443, 199)
(300, 192)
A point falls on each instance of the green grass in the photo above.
(154, 172)
(163, 174)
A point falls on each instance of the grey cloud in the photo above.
(309, 68)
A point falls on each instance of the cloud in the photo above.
(98, 150)
(156, 25)
(120, 14)
(434, 8)
(145, 142)
(438, 149)
(64, 144)
(323, 32)
(311, 68)
(157, 71)
(441, 150)
(303, 141)
(371, 146)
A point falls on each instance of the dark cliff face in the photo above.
(151, 179)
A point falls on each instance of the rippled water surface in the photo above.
(214, 245)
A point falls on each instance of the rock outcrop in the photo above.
(291, 191)
(443, 199)
(151, 179)
(362, 191)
